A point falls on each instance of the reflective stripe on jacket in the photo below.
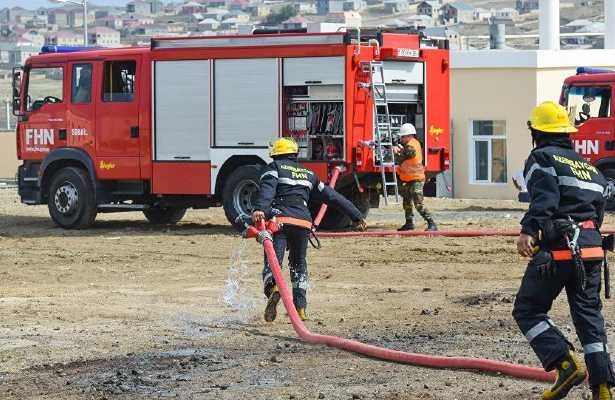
(563, 185)
(286, 187)
(412, 169)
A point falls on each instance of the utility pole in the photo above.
(84, 4)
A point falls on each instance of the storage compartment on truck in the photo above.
(246, 106)
(314, 71)
(403, 72)
(181, 110)
(315, 119)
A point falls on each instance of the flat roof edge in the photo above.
(532, 59)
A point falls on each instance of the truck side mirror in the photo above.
(16, 106)
(17, 74)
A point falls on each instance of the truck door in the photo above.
(590, 106)
(80, 115)
(45, 111)
(117, 119)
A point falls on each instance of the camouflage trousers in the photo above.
(412, 194)
(294, 238)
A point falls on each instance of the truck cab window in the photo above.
(585, 102)
(119, 80)
(45, 85)
(81, 91)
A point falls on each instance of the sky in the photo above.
(33, 4)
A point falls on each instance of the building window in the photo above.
(119, 82)
(488, 150)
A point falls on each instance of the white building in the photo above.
(492, 94)
(103, 37)
(506, 14)
(209, 24)
(33, 38)
(215, 13)
(65, 38)
(395, 6)
(481, 14)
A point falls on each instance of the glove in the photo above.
(543, 262)
(257, 216)
(360, 225)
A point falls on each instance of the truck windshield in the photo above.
(45, 85)
(586, 102)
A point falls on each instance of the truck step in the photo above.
(112, 207)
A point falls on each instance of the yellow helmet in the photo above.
(284, 146)
(550, 117)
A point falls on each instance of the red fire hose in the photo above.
(453, 233)
(456, 233)
(264, 237)
(381, 233)
(323, 208)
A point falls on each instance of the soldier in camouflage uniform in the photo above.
(409, 156)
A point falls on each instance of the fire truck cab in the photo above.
(588, 96)
(188, 121)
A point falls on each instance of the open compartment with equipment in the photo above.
(405, 95)
(314, 106)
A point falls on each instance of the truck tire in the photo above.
(164, 216)
(239, 193)
(72, 201)
(335, 219)
(609, 174)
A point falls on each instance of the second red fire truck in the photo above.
(588, 96)
(187, 122)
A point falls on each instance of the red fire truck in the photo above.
(187, 122)
(587, 96)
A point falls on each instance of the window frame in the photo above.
(104, 80)
(472, 159)
(600, 84)
(26, 94)
(73, 67)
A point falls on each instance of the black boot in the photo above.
(272, 304)
(431, 225)
(570, 373)
(408, 226)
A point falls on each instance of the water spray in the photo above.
(236, 295)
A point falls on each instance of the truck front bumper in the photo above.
(28, 182)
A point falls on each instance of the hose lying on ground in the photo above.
(452, 233)
(383, 232)
(518, 371)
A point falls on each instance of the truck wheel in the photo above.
(239, 193)
(609, 174)
(71, 200)
(162, 216)
(335, 219)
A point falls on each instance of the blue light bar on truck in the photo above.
(586, 70)
(65, 49)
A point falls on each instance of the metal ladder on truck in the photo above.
(383, 135)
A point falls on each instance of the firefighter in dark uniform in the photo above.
(560, 233)
(285, 190)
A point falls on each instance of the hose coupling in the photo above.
(264, 235)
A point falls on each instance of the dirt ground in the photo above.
(127, 310)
